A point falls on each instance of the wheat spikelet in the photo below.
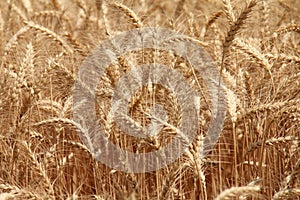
(128, 12)
(212, 20)
(184, 39)
(50, 66)
(28, 66)
(53, 63)
(238, 191)
(286, 193)
(266, 18)
(13, 41)
(34, 134)
(47, 13)
(249, 87)
(71, 124)
(232, 104)
(57, 4)
(179, 9)
(78, 46)
(17, 86)
(288, 28)
(6, 186)
(269, 107)
(295, 175)
(2, 23)
(50, 105)
(254, 53)
(50, 34)
(281, 31)
(98, 4)
(18, 11)
(14, 192)
(40, 170)
(67, 106)
(173, 176)
(105, 18)
(78, 145)
(27, 4)
(236, 24)
(195, 155)
(59, 15)
(288, 58)
(66, 121)
(270, 142)
(229, 12)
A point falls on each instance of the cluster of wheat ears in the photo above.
(255, 46)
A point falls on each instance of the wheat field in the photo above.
(255, 45)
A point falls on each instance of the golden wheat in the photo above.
(255, 46)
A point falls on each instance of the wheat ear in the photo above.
(49, 34)
(18, 11)
(238, 191)
(14, 192)
(236, 24)
(212, 19)
(41, 170)
(130, 13)
(286, 193)
(13, 41)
